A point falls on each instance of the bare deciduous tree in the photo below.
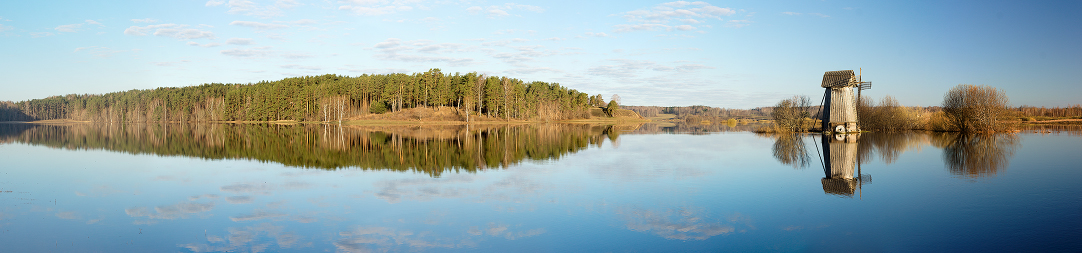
(790, 115)
(975, 108)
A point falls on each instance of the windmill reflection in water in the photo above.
(841, 155)
(842, 165)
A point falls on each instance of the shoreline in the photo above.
(368, 122)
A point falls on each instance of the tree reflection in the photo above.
(888, 146)
(429, 149)
(971, 156)
(789, 149)
(976, 155)
(685, 128)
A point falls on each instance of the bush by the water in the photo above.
(791, 115)
(966, 108)
(975, 108)
(889, 115)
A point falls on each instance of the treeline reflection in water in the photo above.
(429, 149)
(841, 156)
(687, 128)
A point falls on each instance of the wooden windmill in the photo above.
(840, 105)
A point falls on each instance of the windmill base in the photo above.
(842, 127)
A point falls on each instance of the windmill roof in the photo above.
(840, 78)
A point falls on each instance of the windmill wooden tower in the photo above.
(840, 105)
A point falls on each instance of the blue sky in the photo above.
(736, 54)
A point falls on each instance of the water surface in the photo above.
(253, 188)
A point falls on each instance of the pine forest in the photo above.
(316, 98)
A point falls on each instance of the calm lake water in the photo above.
(533, 188)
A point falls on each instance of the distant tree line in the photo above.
(701, 111)
(1074, 111)
(315, 98)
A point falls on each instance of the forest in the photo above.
(316, 98)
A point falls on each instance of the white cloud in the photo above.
(247, 53)
(250, 8)
(354, 69)
(522, 55)
(68, 28)
(193, 43)
(626, 68)
(678, 224)
(370, 239)
(258, 25)
(257, 215)
(738, 23)
(798, 14)
(495, 11)
(394, 49)
(600, 34)
(295, 66)
(239, 41)
(5, 27)
(527, 7)
(170, 30)
(376, 7)
(170, 212)
(296, 55)
(531, 70)
(658, 17)
(258, 238)
(305, 22)
(67, 215)
(187, 34)
(262, 52)
(642, 27)
(41, 34)
(145, 20)
(239, 199)
(103, 52)
(76, 27)
(287, 3)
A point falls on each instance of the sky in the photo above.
(733, 54)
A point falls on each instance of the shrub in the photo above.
(975, 108)
(939, 122)
(790, 114)
(611, 109)
(378, 108)
(889, 115)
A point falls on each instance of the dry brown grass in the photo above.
(426, 114)
(889, 115)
